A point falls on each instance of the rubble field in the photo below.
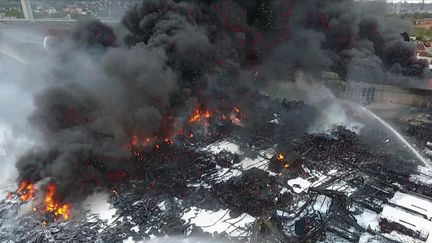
(264, 182)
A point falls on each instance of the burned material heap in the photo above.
(329, 187)
(167, 116)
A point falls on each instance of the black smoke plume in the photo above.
(347, 37)
(168, 57)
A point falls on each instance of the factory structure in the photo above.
(372, 93)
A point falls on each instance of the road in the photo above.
(47, 24)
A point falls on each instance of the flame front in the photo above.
(237, 116)
(199, 115)
(52, 206)
(280, 157)
(26, 191)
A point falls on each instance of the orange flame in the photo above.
(237, 116)
(198, 115)
(51, 206)
(168, 141)
(134, 140)
(280, 157)
(26, 191)
(286, 166)
(195, 117)
(207, 114)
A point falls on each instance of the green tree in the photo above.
(14, 13)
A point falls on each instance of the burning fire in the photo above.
(200, 115)
(136, 141)
(280, 157)
(237, 116)
(27, 192)
(51, 206)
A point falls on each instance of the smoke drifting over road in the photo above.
(144, 77)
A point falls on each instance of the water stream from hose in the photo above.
(398, 135)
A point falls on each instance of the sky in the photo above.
(410, 1)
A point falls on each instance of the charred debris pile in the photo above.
(298, 187)
(165, 113)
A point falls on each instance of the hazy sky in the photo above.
(410, 1)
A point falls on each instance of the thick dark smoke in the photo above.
(167, 57)
(350, 38)
(174, 57)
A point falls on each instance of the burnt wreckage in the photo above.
(270, 186)
(167, 124)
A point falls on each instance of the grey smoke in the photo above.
(104, 85)
(103, 92)
(350, 38)
(16, 91)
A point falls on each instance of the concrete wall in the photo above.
(366, 94)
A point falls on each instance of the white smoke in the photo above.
(332, 111)
(21, 75)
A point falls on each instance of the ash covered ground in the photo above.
(167, 125)
(335, 186)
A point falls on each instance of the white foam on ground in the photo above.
(217, 221)
(424, 175)
(261, 161)
(217, 147)
(322, 204)
(161, 206)
(98, 204)
(369, 238)
(130, 240)
(427, 151)
(368, 219)
(182, 239)
(299, 184)
(342, 186)
(223, 174)
(321, 177)
(275, 121)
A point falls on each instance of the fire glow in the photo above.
(136, 143)
(52, 206)
(237, 116)
(200, 115)
(27, 192)
(280, 157)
